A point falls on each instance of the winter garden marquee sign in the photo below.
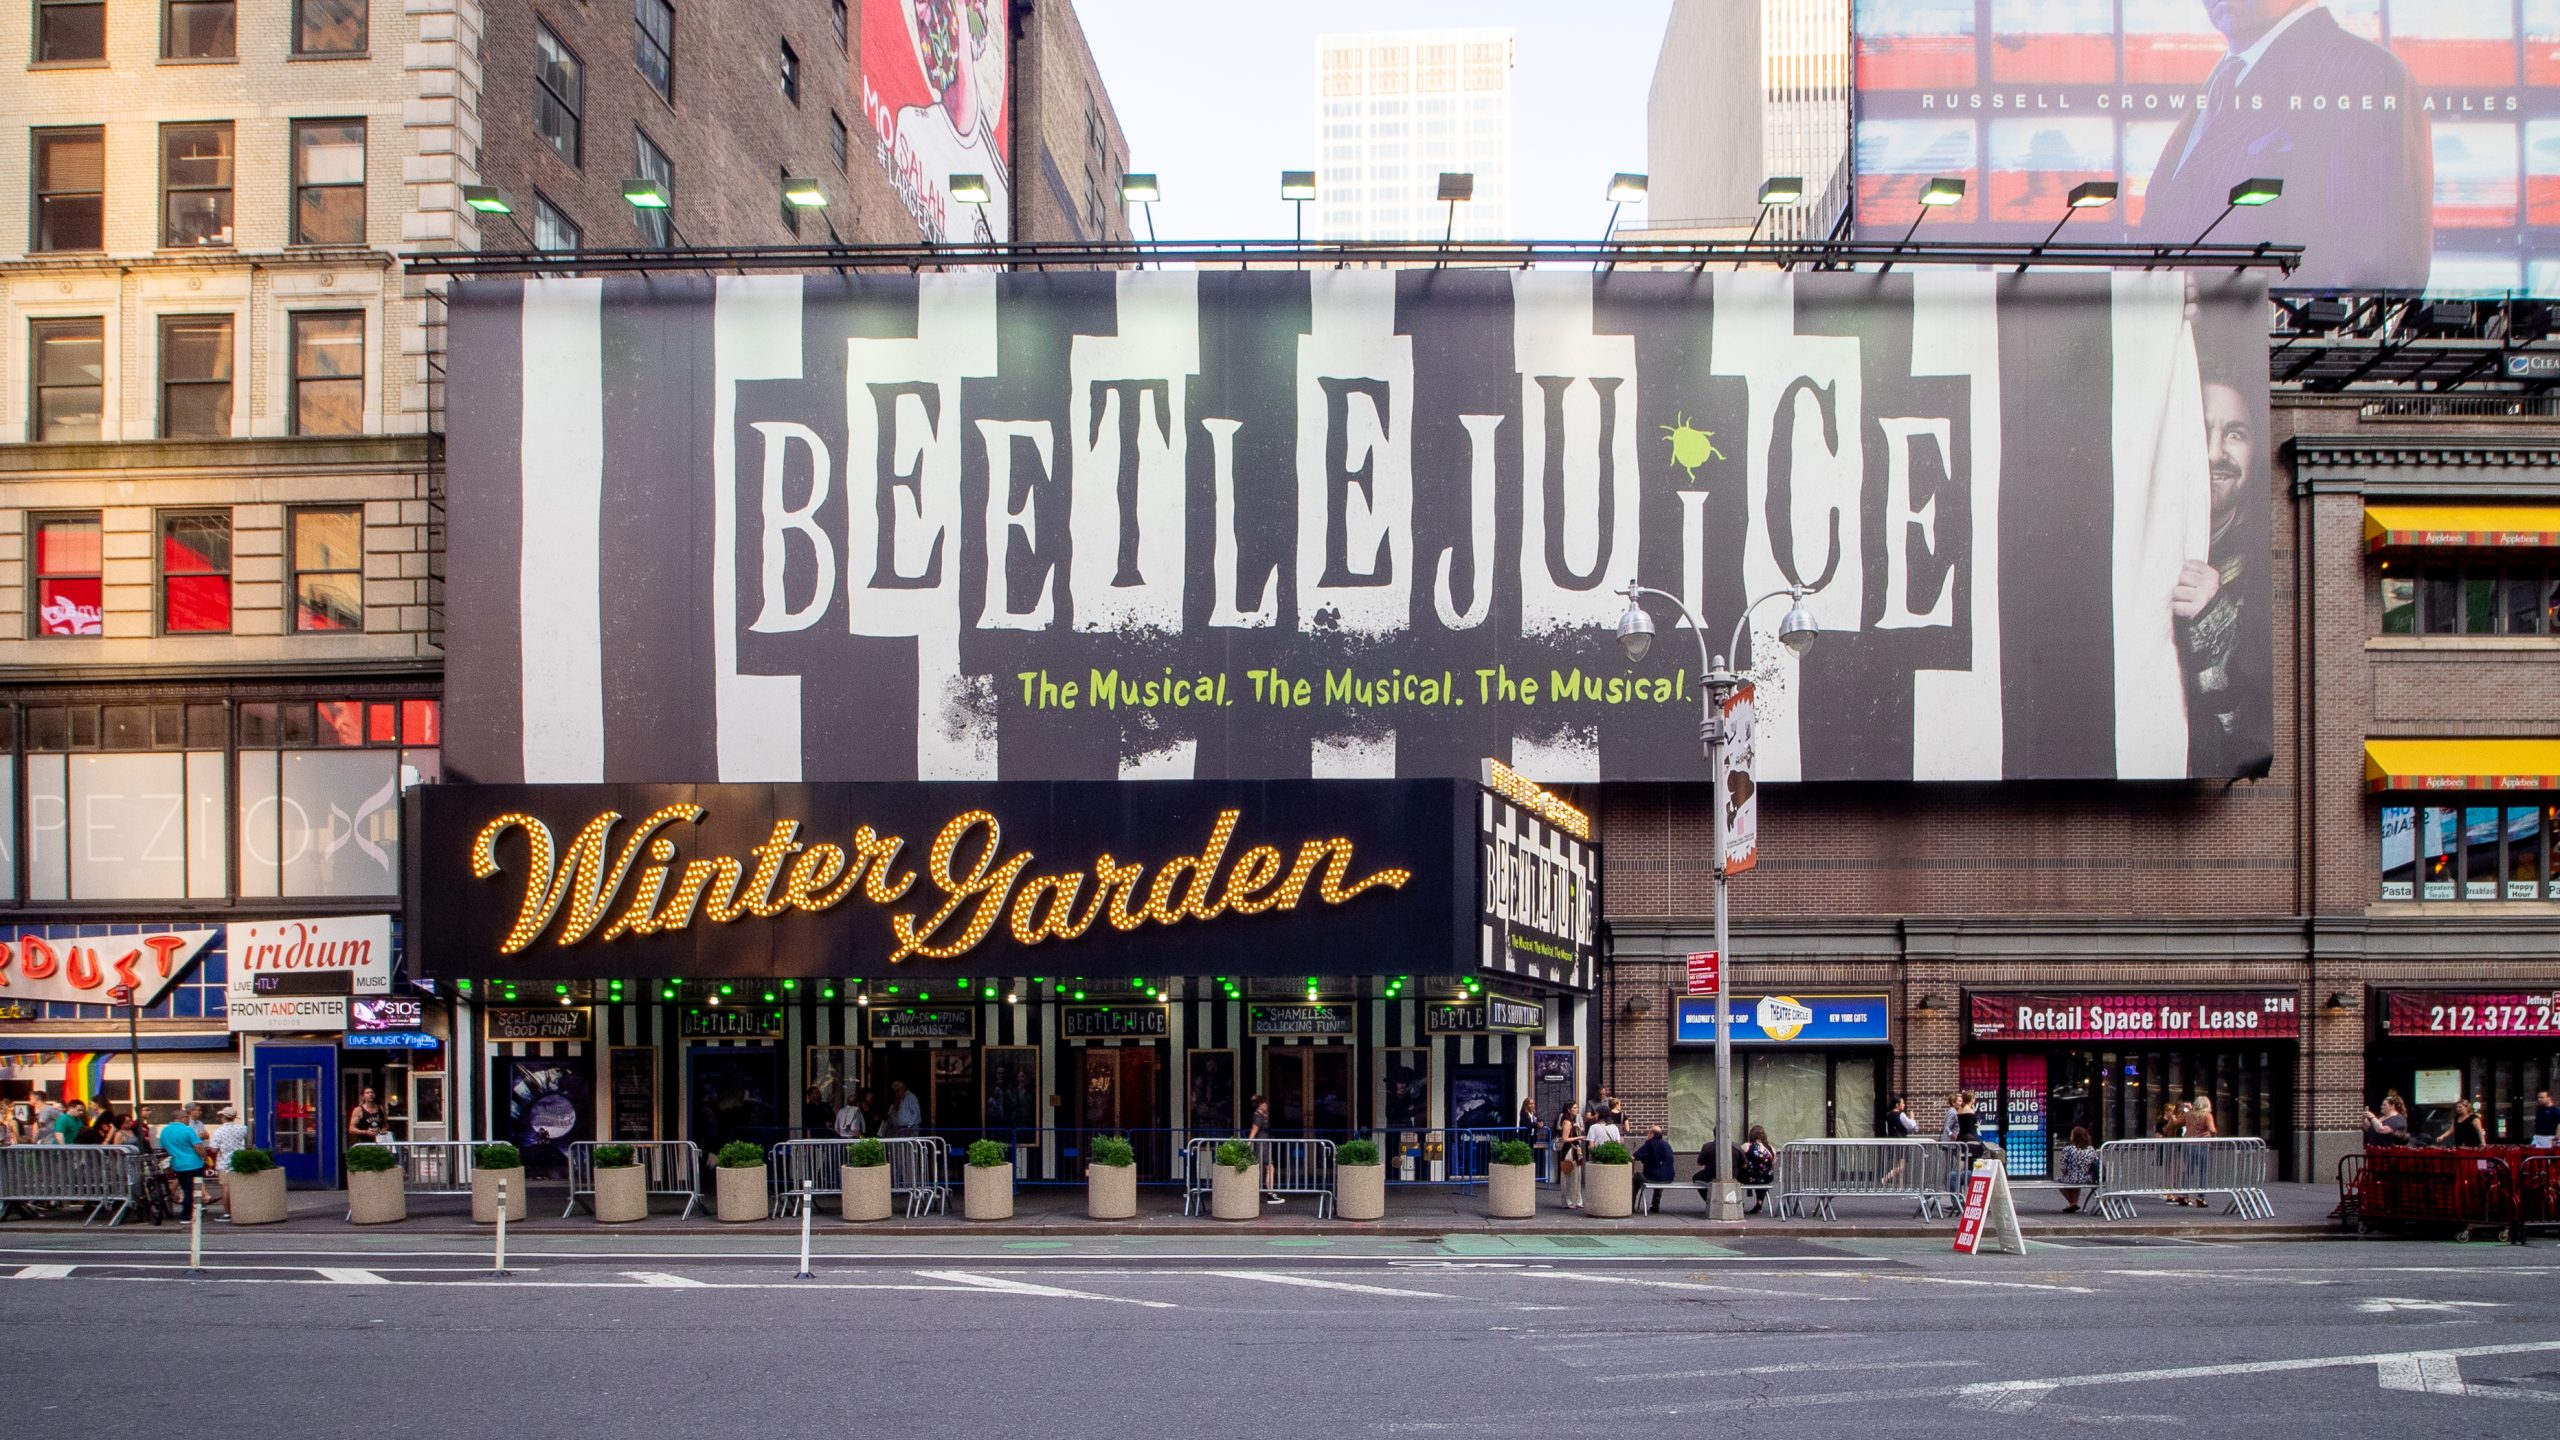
(1350, 523)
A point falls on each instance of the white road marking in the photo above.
(1943, 1280)
(2003, 1397)
(349, 1277)
(662, 1280)
(1748, 1290)
(1270, 1277)
(2439, 1372)
(43, 1272)
(2385, 1304)
(1024, 1287)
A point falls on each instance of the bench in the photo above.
(1759, 1193)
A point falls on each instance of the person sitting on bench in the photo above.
(1656, 1158)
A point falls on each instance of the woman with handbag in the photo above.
(1569, 1158)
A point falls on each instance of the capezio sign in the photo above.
(559, 882)
(2201, 1015)
(1172, 524)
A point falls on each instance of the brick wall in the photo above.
(1063, 181)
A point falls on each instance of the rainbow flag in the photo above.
(81, 1072)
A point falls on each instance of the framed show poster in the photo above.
(1210, 1088)
(1554, 1080)
(1013, 1091)
(632, 1075)
(835, 1075)
(1404, 1088)
(956, 1100)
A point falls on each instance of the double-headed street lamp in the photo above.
(1797, 631)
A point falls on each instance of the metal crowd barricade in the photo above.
(436, 1167)
(817, 1164)
(2538, 1190)
(1295, 1167)
(920, 1170)
(105, 1178)
(1811, 1174)
(2236, 1169)
(2465, 1189)
(673, 1167)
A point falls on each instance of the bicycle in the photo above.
(151, 1187)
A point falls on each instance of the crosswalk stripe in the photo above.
(665, 1281)
(44, 1272)
(1311, 1283)
(1025, 1287)
(350, 1277)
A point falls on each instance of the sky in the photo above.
(1218, 107)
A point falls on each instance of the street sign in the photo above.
(120, 995)
(1703, 965)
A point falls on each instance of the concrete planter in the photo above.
(1235, 1194)
(864, 1191)
(740, 1194)
(1360, 1192)
(484, 1194)
(1511, 1191)
(1609, 1191)
(258, 1199)
(1111, 1192)
(622, 1194)
(373, 1197)
(987, 1192)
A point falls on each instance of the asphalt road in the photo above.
(373, 1335)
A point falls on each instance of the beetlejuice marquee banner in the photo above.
(1350, 523)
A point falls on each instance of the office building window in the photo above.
(2469, 852)
(70, 588)
(790, 73)
(195, 376)
(328, 182)
(195, 572)
(70, 32)
(839, 141)
(328, 27)
(69, 361)
(195, 185)
(328, 372)
(553, 230)
(327, 553)
(559, 94)
(653, 45)
(197, 29)
(320, 785)
(2475, 595)
(651, 163)
(70, 189)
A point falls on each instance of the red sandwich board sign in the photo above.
(1702, 972)
(1988, 1206)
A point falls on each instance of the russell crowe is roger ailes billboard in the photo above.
(2418, 140)
(1336, 524)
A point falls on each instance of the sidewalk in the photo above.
(1421, 1211)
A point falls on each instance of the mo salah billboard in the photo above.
(937, 89)
(1335, 524)
(2418, 140)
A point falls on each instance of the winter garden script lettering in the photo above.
(571, 894)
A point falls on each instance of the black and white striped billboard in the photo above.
(1335, 523)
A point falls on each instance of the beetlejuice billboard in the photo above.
(1168, 524)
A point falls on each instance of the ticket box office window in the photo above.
(2493, 1045)
(2042, 1063)
(1807, 1065)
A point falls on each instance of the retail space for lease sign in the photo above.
(1351, 524)
(2137, 1015)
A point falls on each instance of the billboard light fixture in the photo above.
(1457, 185)
(1782, 190)
(487, 199)
(1297, 184)
(1943, 190)
(2093, 194)
(2256, 192)
(642, 193)
(1139, 187)
(1627, 187)
(804, 193)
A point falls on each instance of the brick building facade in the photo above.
(2274, 887)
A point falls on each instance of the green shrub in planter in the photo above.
(1513, 1152)
(1236, 1155)
(739, 1155)
(1114, 1151)
(250, 1160)
(988, 1154)
(361, 1160)
(498, 1156)
(864, 1154)
(1356, 1152)
(1609, 1152)
(615, 1157)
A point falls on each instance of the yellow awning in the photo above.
(2435, 526)
(2500, 765)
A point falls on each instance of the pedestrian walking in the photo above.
(2546, 1121)
(2464, 1130)
(2390, 1127)
(1658, 1160)
(2076, 1168)
(1755, 1166)
(906, 1116)
(1899, 1124)
(1569, 1157)
(229, 1138)
(850, 1121)
(71, 1122)
(1531, 1133)
(2198, 1124)
(183, 1143)
(1257, 1126)
(365, 1121)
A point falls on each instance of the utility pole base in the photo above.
(1724, 1202)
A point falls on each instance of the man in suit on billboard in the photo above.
(2334, 116)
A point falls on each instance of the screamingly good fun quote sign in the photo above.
(1351, 524)
(565, 881)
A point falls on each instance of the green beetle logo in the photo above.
(1690, 447)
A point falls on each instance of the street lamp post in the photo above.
(1797, 631)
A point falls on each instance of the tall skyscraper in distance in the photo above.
(1745, 90)
(1394, 109)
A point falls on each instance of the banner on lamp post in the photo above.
(1736, 784)
(1703, 965)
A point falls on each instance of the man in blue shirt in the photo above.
(1659, 1167)
(183, 1143)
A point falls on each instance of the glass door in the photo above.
(293, 1118)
